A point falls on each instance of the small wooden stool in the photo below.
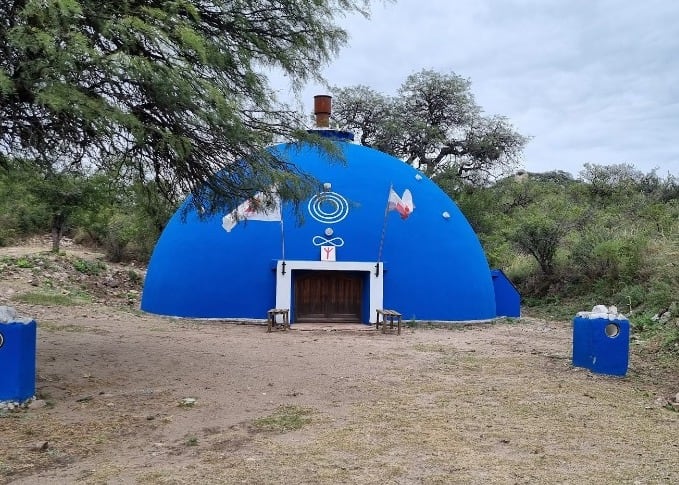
(390, 315)
(271, 318)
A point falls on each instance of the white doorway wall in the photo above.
(284, 271)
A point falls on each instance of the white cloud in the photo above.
(590, 80)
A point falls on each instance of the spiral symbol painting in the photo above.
(328, 207)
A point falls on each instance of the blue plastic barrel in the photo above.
(17, 361)
(610, 347)
(601, 345)
(582, 342)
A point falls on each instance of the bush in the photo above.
(129, 237)
(20, 218)
(607, 258)
(539, 235)
(92, 268)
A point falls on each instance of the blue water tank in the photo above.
(582, 342)
(601, 345)
(17, 361)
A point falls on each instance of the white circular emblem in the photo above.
(328, 207)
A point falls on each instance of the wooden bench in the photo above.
(271, 318)
(390, 315)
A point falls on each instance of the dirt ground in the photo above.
(486, 403)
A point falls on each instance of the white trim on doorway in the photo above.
(284, 271)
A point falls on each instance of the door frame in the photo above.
(360, 278)
(375, 282)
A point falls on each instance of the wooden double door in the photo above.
(328, 296)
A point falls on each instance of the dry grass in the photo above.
(493, 403)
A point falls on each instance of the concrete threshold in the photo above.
(333, 327)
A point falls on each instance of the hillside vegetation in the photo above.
(609, 237)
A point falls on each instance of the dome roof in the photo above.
(433, 266)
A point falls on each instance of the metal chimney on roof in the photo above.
(322, 110)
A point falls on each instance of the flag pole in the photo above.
(384, 230)
(282, 241)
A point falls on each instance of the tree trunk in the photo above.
(58, 220)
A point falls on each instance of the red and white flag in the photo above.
(403, 205)
(254, 209)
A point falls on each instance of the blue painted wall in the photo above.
(507, 297)
(435, 268)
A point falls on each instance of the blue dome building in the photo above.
(379, 234)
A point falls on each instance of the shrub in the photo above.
(92, 268)
(599, 255)
(129, 237)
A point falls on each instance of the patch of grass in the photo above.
(92, 268)
(155, 477)
(131, 297)
(670, 340)
(284, 419)
(136, 312)
(555, 308)
(45, 396)
(51, 327)
(191, 441)
(430, 348)
(48, 299)
(101, 439)
(661, 336)
(670, 407)
(24, 263)
(48, 284)
(133, 276)
(36, 263)
(80, 294)
(509, 320)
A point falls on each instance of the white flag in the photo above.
(254, 209)
(403, 205)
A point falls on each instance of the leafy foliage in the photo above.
(539, 235)
(84, 266)
(124, 217)
(171, 91)
(433, 123)
(610, 237)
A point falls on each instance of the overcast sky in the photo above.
(589, 80)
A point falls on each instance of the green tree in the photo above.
(434, 124)
(62, 193)
(56, 195)
(122, 215)
(135, 223)
(174, 88)
(539, 236)
(22, 213)
(542, 214)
